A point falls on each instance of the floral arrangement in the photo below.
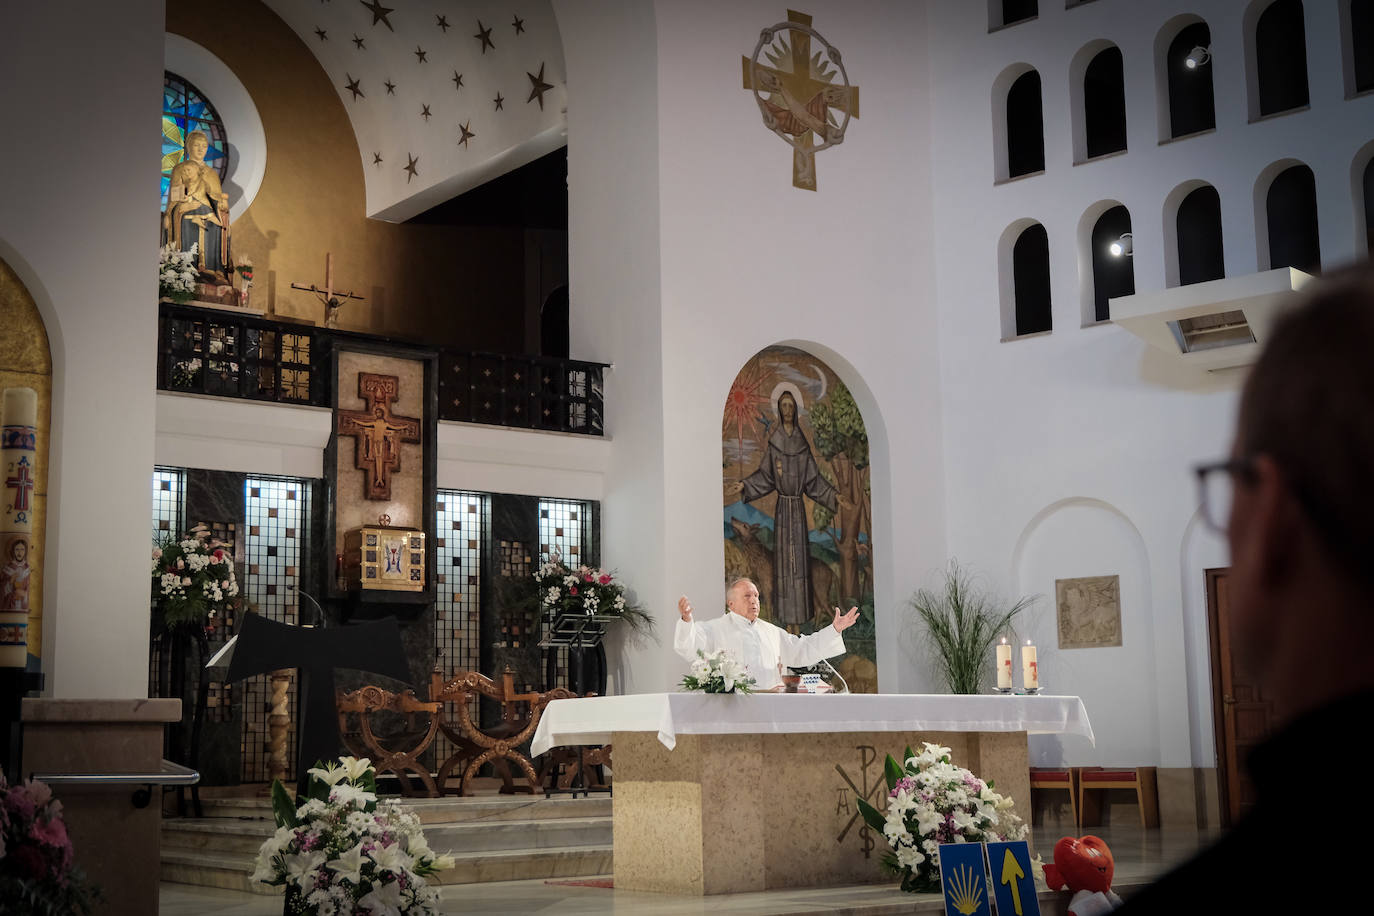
(931, 801)
(193, 579)
(176, 273)
(36, 871)
(340, 853)
(718, 672)
(585, 590)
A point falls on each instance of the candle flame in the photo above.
(1029, 643)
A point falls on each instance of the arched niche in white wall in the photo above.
(1076, 538)
(1275, 57)
(1185, 103)
(1103, 275)
(1200, 550)
(1362, 193)
(1286, 227)
(1018, 125)
(242, 125)
(1193, 250)
(1023, 279)
(1097, 96)
(1357, 46)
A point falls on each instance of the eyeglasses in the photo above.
(1216, 486)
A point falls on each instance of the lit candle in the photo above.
(1030, 672)
(1004, 666)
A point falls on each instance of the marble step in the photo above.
(209, 869)
(444, 810)
(244, 837)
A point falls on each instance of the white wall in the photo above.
(685, 265)
(1088, 413)
(79, 225)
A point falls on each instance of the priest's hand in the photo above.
(845, 621)
(684, 607)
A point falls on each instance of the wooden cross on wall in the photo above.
(378, 433)
(333, 299)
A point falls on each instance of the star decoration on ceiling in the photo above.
(390, 87)
(442, 23)
(411, 170)
(484, 36)
(379, 13)
(519, 25)
(457, 80)
(499, 102)
(358, 42)
(354, 87)
(424, 113)
(467, 134)
(420, 53)
(376, 158)
(324, 36)
(538, 87)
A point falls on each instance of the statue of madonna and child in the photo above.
(197, 216)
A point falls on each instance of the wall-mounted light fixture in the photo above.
(1122, 247)
(1198, 57)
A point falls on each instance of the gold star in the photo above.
(457, 80)
(499, 101)
(420, 53)
(519, 25)
(379, 13)
(538, 87)
(376, 158)
(467, 134)
(424, 112)
(358, 42)
(484, 36)
(442, 23)
(324, 36)
(411, 170)
(354, 87)
(390, 87)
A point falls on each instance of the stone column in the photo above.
(116, 843)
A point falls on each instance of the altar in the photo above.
(722, 794)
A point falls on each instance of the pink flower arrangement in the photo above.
(584, 590)
(193, 580)
(36, 871)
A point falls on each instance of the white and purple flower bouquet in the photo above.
(341, 853)
(931, 801)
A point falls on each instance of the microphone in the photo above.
(837, 674)
(323, 621)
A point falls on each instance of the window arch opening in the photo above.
(1111, 252)
(1010, 12)
(1201, 256)
(1024, 258)
(1025, 126)
(1187, 65)
(1290, 211)
(1279, 56)
(1357, 29)
(1099, 101)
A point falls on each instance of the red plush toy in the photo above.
(1084, 866)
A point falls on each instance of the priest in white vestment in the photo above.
(757, 644)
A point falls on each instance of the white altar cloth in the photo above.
(592, 720)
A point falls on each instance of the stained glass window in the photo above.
(185, 109)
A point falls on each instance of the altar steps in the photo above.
(492, 838)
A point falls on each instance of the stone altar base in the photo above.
(726, 814)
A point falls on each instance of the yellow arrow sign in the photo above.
(1011, 873)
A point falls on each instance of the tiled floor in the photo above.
(1140, 855)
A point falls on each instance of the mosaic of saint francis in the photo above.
(797, 501)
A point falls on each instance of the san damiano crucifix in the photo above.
(379, 433)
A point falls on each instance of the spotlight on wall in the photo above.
(1122, 247)
(1197, 57)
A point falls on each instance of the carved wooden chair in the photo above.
(398, 754)
(473, 745)
(562, 764)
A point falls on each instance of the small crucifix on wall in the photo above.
(332, 299)
(379, 433)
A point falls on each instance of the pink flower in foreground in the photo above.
(605, 579)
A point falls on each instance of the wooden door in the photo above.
(1241, 711)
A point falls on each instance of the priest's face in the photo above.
(744, 601)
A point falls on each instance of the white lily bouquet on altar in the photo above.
(341, 853)
(718, 672)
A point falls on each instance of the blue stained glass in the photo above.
(184, 110)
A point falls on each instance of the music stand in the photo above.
(576, 632)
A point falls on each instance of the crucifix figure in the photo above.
(264, 645)
(22, 483)
(333, 300)
(796, 96)
(379, 432)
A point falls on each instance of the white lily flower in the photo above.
(349, 865)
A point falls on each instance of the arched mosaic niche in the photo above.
(798, 507)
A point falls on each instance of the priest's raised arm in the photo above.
(757, 644)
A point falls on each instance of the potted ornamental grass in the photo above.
(963, 620)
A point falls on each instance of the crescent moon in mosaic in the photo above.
(820, 374)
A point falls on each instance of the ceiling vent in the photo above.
(1220, 324)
